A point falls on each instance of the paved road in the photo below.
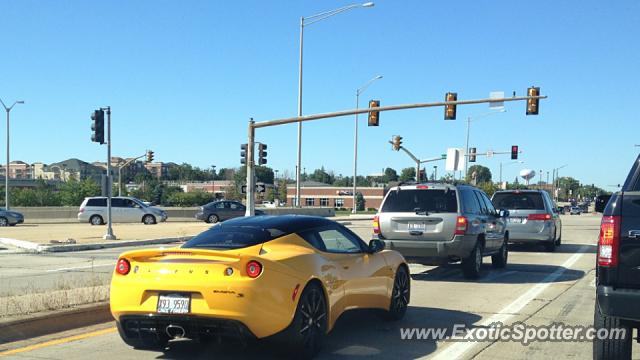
(536, 288)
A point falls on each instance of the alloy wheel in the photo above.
(400, 294)
(313, 318)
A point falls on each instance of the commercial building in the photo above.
(324, 195)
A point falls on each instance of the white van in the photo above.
(123, 209)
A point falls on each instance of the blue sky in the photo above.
(184, 77)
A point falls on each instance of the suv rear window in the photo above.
(232, 237)
(97, 202)
(518, 201)
(425, 200)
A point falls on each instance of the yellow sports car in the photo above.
(254, 277)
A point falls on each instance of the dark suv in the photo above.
(222, 210)
(436, 223)
(618, 269)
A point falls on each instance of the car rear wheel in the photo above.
(472, 265)
(96, 220)
(499, 260)
(149, 219)
(309, 324)
(550, 246)
(400, 295)
(611, 348)
(4, 221)
(212, 219)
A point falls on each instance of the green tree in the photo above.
(408, 174)
(390, 175)
(360, 202)
(320, 175)
(483, 174)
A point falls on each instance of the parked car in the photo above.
(254, 277)
(618, 269)
(10, 218)
(438, 223)
(532, 217)
(222, 210)
(123, 209)
(575, 210)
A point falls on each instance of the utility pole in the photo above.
(109, 235)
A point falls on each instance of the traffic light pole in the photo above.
(109, 235)
(120, 171)
(251, 204)
(300, 119)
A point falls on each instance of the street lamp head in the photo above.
(380, 77)
(20, 102)
(368, 4)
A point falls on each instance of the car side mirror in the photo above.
(503, 213)
(375, 246)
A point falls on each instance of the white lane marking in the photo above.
(455, 351)
(79, 267)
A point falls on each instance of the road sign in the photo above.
(243, 189)
(260, 188)
(444, 156)
(455, 159)
(496, 105)
(490, 153)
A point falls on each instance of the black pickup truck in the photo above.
(618, 269)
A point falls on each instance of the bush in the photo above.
(196, 198)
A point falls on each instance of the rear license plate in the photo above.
(174, 303)
(515, 220)
(419, 226)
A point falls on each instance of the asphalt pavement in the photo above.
(536, 288)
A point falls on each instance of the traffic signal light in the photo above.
(532, 104)
(374, 116)
(396, 142)
(149, 156)
(262, 154)
(472, 154)
(97, 126)
(243, 154)
(450, 110)
(514, 152)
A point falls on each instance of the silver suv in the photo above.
(533, 217)
(438, 223)
(123, 209)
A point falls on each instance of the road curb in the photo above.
(54, 322)
(40, 248)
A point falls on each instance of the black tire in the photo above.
(400, 295)
(559, 239)
(611, 348)
(148, 219)
(550, 246)
(309, 326)
(212, 219)
(499, 260)
(4, 221)
(472, 265)
(96, 220)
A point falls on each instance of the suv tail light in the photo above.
(123, 266)
(254, 269)
(539, 217)
(461, 225)
(81, 210)
(376, 224)
(609, 241)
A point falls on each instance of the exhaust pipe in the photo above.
(175, 331)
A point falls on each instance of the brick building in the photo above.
(324, 195)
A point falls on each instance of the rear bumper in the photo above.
(433, 252)
(621, 303)
(522, 234)
(151, 327)
(200, 215)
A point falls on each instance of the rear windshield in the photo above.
(223, 237)
(421, 200)
(518, 201)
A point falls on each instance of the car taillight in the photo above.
(609, 241)
(539, 217)
(81, 210)
(422, 187)
(123, 266)
(254, 269)
(461, 225)
(376, 225)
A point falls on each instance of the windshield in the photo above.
(413, 200)
(232, 237)
(518, 201)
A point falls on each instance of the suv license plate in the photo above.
(174, 303)
(420, 226)
(515, 220)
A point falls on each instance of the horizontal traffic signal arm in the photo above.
(296, 119)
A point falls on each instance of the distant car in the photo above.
(575, 210)
(436, 223)
(222, 210)
(532, 217)
(123, 209)
(10, 218)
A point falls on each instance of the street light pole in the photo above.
(466, 163)
(311, 20)
(355, 138)
(6, 173)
